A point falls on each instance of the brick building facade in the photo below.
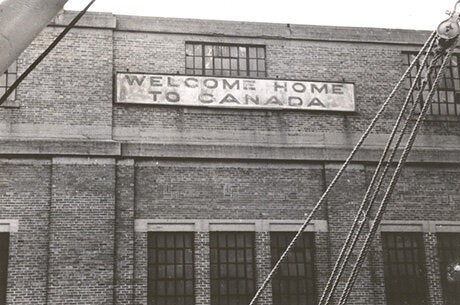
(116, 203)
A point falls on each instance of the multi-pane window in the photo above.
(4, 245)
(294, 282)
(225, 60)
(7, 79)
(446, 100)
(405, 275)
(170, 268)
(232, 268)
(449, 256)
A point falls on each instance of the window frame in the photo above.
(154, 281)
(7, 79)
(294, 294)
(446, 252)
(4, 254)
(221, 282)
(396, 279)
(448, 107)
(236, 63)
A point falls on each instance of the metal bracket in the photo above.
(450, 28)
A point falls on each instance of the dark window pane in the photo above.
(449, 85)
(224, 60)
(290, 281)
(405, 276)
(231, 283)
(4, 248)
(449, 255)
(170, 268)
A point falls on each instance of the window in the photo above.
(294, 282)
(232, 268)
(4, 245)
(225, 60)
(170, 268)
(446, 100)
(7, 80)
(405, 276)
(449, 253)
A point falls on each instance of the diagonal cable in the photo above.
(394, 179)
(333, 182)
(353, 234)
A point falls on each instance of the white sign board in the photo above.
(155, 89)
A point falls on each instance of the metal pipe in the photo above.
(20, 22)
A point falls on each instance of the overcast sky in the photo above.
(407, 14)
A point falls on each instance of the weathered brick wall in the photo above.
(82, 223)
(69, 95)
(25, 191)
(77, 237)
(175, 189)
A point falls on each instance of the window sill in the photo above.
(442, 118)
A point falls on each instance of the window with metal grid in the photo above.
(7, 80)
(294, 282)
(449, 254)
(225, 59)
(446, 100)
(4, 248)
(170, 268)
(232, 267)
(405, 275)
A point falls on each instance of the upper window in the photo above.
(170, 268)
(4, 246)
(225, 59)
(449, 255)
(405, 275)
(232, 268)
(294, 282)
(7, 80)
(446, 100)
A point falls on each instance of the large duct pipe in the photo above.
(20, 22)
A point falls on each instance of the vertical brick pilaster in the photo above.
(81, 269)
(432, 269)
(202, 269)
(263, 266)
(124, 239)
(140, 268)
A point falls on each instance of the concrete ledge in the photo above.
(59, 147)
(207, 225)
(269, 30)
(89, 20)
(291, 153)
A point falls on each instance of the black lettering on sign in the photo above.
(155, 94)
(155, 81)
(252, 99)
(295, 101)
(172, 97)
(133, 78)
(171, 82)
(227, 85)
(210, 83)
(189, 81)
(206, 98)
(299, 87)
(316, 102)
(320, 89)
(337, 89)
(229, 99)
(280, 86)
(249, 85)
(273, 100)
